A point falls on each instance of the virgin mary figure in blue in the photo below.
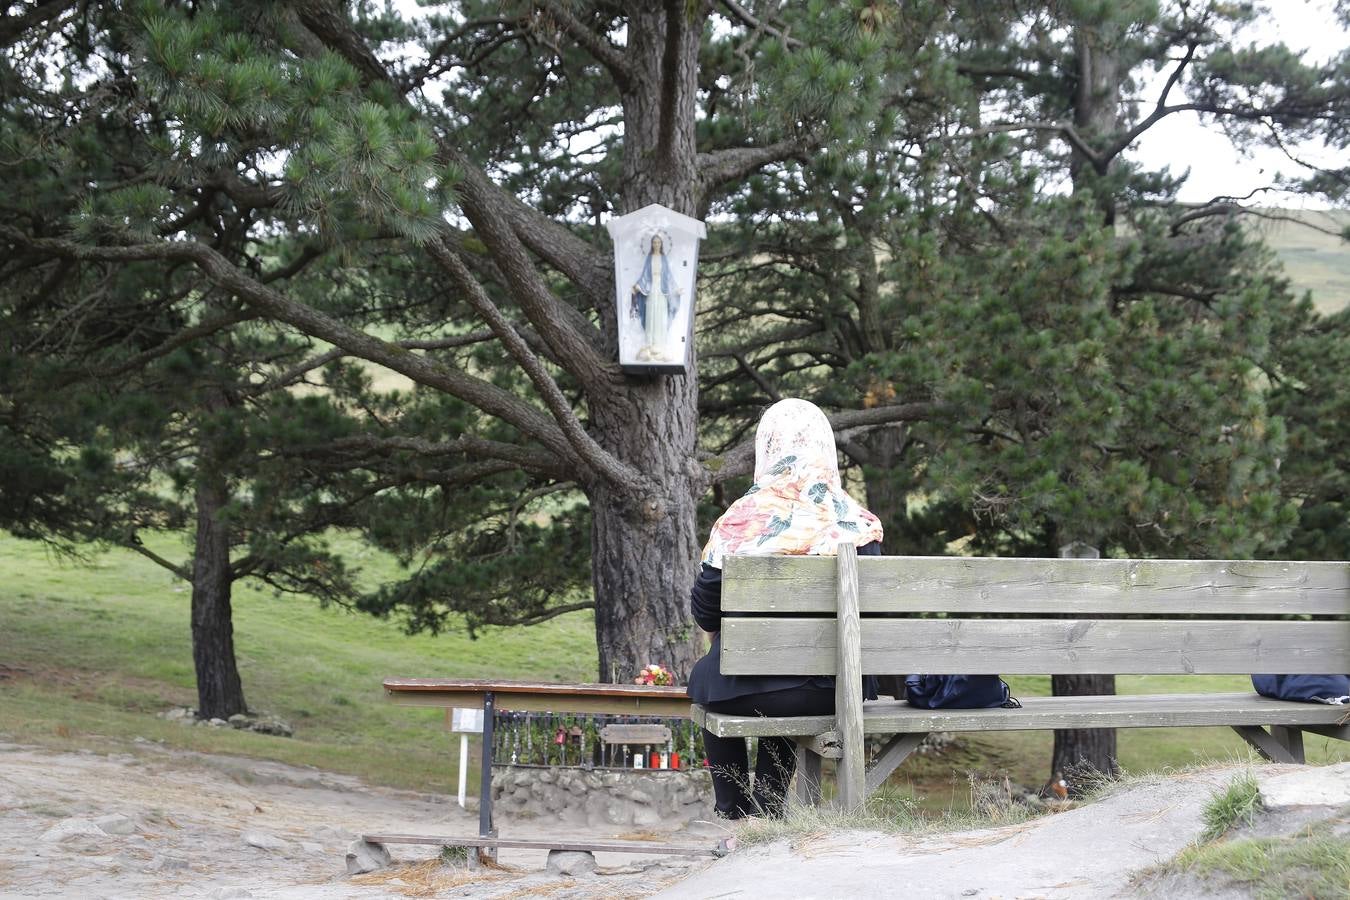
(655, 301)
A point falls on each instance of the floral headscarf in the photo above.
(797, 506)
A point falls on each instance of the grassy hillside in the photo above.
(88, 655)
(1314, 261)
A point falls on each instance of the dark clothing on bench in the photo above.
(772, 696)
(776, 761)
(707, 684)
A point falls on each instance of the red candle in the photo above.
(655, 760)
(674, 760)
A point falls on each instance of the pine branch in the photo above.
(476, 391)
(468, 445)
(719, 167)
(597, 45)
(600, 460)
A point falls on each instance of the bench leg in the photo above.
(1268, 745)
(1291, 738)
(896, 751)
(485, 827)
(808, 776)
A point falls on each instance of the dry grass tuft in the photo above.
(427, 878)
(653, 836)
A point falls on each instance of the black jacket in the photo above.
(707, 684)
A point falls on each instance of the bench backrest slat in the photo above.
(1039, 646)
(1070, 616)
(789, 584)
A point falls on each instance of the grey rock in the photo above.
(230, 893)
(1311, 786)
(164, 863)
(264, 841)
(365, 857)
(116, 823)
(571, 862)
(274, 726)
(71, 828)
(238, 720)
(218, 723)
(311, 847)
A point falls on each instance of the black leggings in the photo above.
(735, 797)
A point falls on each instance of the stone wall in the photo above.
(597, 797)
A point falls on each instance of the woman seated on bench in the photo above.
(796, 507)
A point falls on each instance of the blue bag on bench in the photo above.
(1313, 688)
(958, 692)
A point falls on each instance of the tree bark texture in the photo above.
(220, 694)
(1079, 750)
(646, 548)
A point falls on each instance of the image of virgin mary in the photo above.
(655, 301)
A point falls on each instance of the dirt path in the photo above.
(191, 824)
(171, 824)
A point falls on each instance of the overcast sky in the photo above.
(1182, 141)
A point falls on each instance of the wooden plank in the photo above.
(896, 751)
(526, 844)
(544, 688)
(1340, 732)
(635, 734)
(1291, 739)
(808, 775)
(1038, 646)
(907, 584)
(1047, 713)
(852, 772)
(663, 707)
(1265, 744)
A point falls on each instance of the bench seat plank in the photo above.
(755, 645)
(787, 584)
(528, 844)
(1037, 713)
(531, 696)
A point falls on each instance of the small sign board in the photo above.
(635, 734)
(467, 720)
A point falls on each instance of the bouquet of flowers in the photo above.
(654, 674)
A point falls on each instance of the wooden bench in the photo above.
(844, 616)
(529, 696)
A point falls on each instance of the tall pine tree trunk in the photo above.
(645, 549)
(220, 694)
(1096, 116)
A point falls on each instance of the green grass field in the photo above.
(88, 655)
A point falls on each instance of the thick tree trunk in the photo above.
(220, 693)
(646, 548)
(1082, 751)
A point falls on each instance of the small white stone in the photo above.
(364, 857)
(264, 841)
(571, 862)
(70, 828)
(311, 847)
(167, 863)
(116, 823)
(233, 892)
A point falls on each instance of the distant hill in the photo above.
(1314, 261)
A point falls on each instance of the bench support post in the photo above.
(1269, 745)
(485, 828)
(1291, 739)
(848, 702)
(896, 751)
(808, 775)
